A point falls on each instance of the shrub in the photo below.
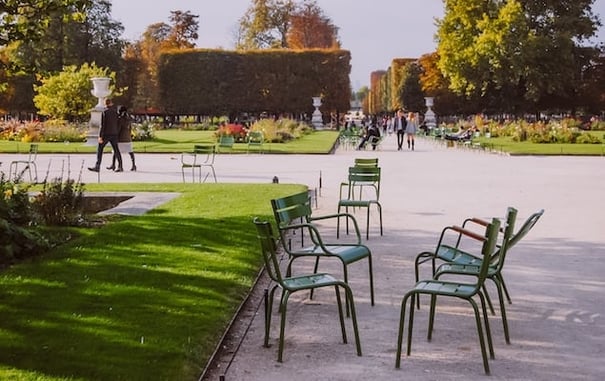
(143, 131)
(587, 138)
(61, 131)
(60, 203)
(238, 131)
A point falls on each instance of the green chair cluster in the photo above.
(487, 264)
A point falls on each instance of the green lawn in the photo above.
(506, 144)
(142, 298)
(176, 141)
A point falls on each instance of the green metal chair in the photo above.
(454, 254)
(459, 290)
(27, 165)
(361, 176)
(255, 141)
(290, 285)
(202, 157)
(368, 175)
(293, 213)
(496, 264)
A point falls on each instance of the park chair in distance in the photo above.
(460, 290)
(290, 285)
(255, 141)
(26, 164)
(357, 176)
(373, 181)
(293, 213)
(201, 158)
(496, 264)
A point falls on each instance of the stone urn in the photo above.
(317, 119)
(100, 89)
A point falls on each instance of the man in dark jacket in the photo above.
(108, 134)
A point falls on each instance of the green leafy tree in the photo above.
(510, 54)
(26, 20)
(74, 33)
(67, 95)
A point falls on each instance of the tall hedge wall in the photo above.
(220, 82)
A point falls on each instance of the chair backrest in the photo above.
(33, 152)
(488, 249)
(269, 249)
(364, 176)
(525, 228)
(366, 162)
(500, 254)
(290, 208)
(205, 149)
(255, 137)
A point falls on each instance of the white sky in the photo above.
(374, 31)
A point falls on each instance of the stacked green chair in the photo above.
(369, 176)
(496, 265)
(459, 290)
(374, 183)
(293, 213)
(290, 285)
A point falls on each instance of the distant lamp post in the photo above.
(317, 120)
(100, 89)
(430, 119)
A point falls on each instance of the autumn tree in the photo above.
(141, 57)
(310, 28)
(265, 25)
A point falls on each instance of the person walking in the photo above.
(411, 129)
(399, 125)
(124, 137)
(108, 133)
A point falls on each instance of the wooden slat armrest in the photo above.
(468, 233)
(479, 221)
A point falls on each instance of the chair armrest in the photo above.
(338, 215)
(467, 233)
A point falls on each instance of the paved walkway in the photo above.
(555, 275)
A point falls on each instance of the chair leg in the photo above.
(351, 305)
(401, 327)
(488, 299)
(431, 317)
(505, 290)
(268, 310)
(282, 328)
(480, 333)
(315, 272)
(502, 309)
(340, 315)
(371, 276)
(488, 330)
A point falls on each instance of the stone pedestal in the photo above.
(430, 119)
(100, 90)
(317, 119)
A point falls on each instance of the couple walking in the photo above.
(403, 126)
(115, 130)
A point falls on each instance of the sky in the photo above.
(374, 31)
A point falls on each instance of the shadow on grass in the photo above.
(151, 302)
